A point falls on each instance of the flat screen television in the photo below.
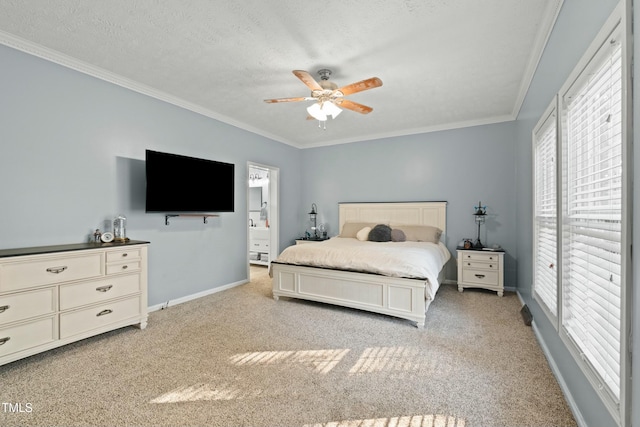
(181, 184)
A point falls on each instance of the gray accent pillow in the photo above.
(380, 233)
(421, 233)
(350, 229)
(398, 235)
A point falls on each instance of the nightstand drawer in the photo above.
(494, 265)
(480, 256)
(484, 277)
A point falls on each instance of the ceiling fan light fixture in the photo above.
(329, 98)
(321, 110)
(316, 112)
(331, 109)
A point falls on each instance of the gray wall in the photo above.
(72, 156)
(461, 167)
(575, 29)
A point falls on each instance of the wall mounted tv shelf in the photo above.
(203, 216)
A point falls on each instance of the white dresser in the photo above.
(481, 269)
(54, 295)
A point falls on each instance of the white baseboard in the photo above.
(556, 373)
(191, 297)
(455, 283)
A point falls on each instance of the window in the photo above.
(592, 216)
(545, 285)
(581, 256)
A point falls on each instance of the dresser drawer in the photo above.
(484, 277)
(76, 295)
(15, 307)
(23, 274)
(493, 265)
(77, 322)
(119, 256)
(481, 256)
(123, 267)
(27, 335)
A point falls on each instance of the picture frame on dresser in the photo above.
(51, 296)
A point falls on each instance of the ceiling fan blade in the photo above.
(307, 79)
(302, 98)
(354, 106)
(361, 85)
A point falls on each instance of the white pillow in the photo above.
(363, 234)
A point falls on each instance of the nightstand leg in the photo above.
(460, 288)
(500, 293)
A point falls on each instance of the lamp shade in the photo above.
(331, 109)
(321, 110)
(316, 112)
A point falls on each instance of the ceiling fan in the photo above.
(328, 96)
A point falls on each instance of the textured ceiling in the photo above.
(443, 63)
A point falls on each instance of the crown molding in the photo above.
(550, 17)
(67, 61)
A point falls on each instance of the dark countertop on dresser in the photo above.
(4, 253)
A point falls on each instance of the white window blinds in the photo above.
(545, 283)
(592, 217)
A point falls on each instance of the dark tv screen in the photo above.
(181, 184)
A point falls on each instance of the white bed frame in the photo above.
(398, 297)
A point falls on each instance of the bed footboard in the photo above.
(398, 297)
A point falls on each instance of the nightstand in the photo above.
(481, 269)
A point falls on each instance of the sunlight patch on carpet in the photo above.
(205, 392)
(405, 421)
(322, 361)
(396, 359)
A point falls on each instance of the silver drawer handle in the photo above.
(4, 340)
(104, 288)
(57, 270)
(480, 276)
(4, 308)
(124, 267)
(104, 312)
(125, 254)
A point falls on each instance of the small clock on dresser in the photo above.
(107, 237)
(481, 269)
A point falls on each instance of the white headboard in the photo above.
(400, 213)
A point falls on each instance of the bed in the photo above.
(398, 294)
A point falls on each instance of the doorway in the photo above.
(262, 217)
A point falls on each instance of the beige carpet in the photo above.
(239, 358)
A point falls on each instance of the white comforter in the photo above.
(416, 260)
